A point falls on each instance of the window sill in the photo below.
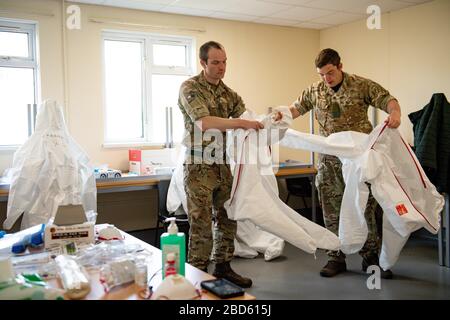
(10, 148)
(118, 145)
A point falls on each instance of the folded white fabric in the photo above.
(250, 240)
(385, 161)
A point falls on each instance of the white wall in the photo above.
(267, 65)
(410, 55)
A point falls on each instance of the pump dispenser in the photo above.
(173, 242)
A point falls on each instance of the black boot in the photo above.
(373, 260)
(333, 268)
(223, 270)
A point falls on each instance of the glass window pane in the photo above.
(169, 55)
(13, 44)
(16, 91)
(123, 90)
(165, 89)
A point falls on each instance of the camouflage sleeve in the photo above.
(304, 103)
(192, 102)
(239, 106)
(377, 96)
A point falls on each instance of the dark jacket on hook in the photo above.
(431, 127)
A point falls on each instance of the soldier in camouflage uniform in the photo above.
(208, 104)
(340, 103)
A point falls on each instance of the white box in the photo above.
(69, 225)
(148, 162)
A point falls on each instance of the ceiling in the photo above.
(312, 14)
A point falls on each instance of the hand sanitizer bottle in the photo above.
(173, 241)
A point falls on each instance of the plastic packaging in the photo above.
(10, 239)
(141, 275)
(35, 239)
(73, 277)
(6, 270)
(174, 242)
(24, 287)
(32, 263)
(117, 273)
(109, 251)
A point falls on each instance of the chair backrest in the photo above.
(163, 213)
(299, 186)
(163, 187)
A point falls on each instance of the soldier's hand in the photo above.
(393, 120)
(277, 116)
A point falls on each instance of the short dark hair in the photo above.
(328, 56)
(203, 52)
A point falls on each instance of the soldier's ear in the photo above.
(340, 66)
(203, 63)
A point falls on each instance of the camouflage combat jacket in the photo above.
(345, 109)
(198, 98)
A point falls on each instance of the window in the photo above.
(142, 77)
(18, 81)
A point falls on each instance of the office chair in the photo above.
(163, 214)
(300, 187)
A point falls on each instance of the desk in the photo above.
(151, 182)
(297, 172)
(130, 291)
(140, 183)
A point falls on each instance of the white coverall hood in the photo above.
(49, 169)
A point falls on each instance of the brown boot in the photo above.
(223, 270)
(373, 260)
(333, 268)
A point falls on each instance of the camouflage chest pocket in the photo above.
(214, 106)
(225, 106)
(354, 110)
(322, 111)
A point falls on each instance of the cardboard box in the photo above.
(149, 162)
(69, 225)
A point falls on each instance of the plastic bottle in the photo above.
(141, 275)
(173, 241)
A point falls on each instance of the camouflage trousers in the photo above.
(207, 188)
(330, 187)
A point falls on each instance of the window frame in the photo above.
(30, 62)
(148, 69)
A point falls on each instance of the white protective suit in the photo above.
(49, 170)
(249, 239)
(385, 161)
(254, 196)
